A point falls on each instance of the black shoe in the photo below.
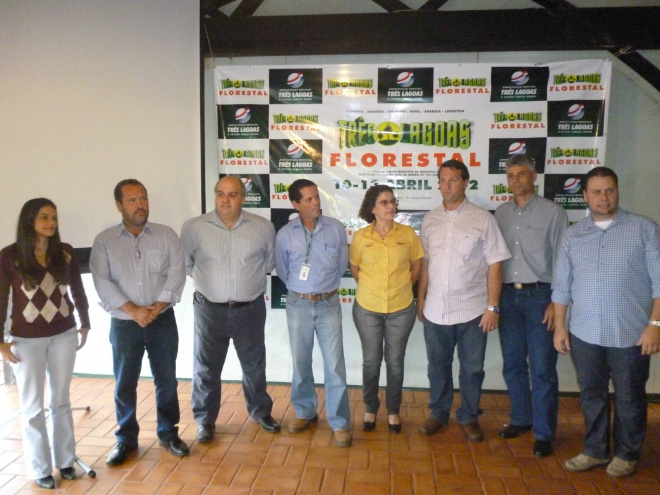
(205, 433)
(68, 473)
(513, 431)
(542, 448)
(368, 425)
(394, 428)
(269, 424)
(120, 454)
(47, 482)
(175, 446)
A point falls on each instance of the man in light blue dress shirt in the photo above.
(228, 254)
(608, 271)
(311, 255)
(139, 274)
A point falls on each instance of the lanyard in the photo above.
(311, 237)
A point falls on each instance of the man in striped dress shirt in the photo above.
(458, 297)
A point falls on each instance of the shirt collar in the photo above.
(124, 231)
(529, 203)
(458, 210)
(215, 219)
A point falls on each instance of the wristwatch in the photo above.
(655, 323)
(496, 310)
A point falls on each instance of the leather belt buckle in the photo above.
(518, 285)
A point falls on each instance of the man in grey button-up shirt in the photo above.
(533, 228)
(228, 253)
(139, 274)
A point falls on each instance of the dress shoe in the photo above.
(68, 473)
(175, 446)
(269, 424)
(368, 425)
(120, 454)
(583, 462)
(301, 424)
(394, 428)
(343, 438)
(473, 432)
(542, 448)
(47, 482)
(205, 433)
(620, 467)
(513, 431)
(431, 426)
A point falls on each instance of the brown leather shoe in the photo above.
(343, 438)
(473, 432)
(297, 425)
(431, 426)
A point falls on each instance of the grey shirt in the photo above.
(533, 234)
(143, 269)
(229, 265)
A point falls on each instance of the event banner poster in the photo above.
(347, 127)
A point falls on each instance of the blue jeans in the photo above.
(377, 331)
(161, 341)
(523, 336)
(440, 343)
(323, 318)
(215, 326)
(629, 371)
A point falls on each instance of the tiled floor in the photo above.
(245, 460)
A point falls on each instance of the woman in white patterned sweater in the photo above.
(40, 271)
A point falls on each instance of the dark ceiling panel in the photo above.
(392, 5)
(430, 31)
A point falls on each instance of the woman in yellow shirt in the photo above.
(385, 259)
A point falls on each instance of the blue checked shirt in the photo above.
(611, 277)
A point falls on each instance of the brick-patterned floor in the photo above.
(245, 460)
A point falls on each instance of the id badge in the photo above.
(304, 271)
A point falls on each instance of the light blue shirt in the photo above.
(611, 277)
(143, 269)
(328, 255)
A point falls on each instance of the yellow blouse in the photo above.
(384, 278)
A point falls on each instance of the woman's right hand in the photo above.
(7, 355)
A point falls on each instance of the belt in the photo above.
(230, 304)
(316, 297)
(233, 304)
(532, 285)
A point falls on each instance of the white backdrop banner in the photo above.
(347, 127)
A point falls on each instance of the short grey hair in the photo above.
(521, 160)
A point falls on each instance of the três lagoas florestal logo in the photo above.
(238, 87)
(296, 86)
(411, 85)
(350, 87)
(519, 83)
(576, 118)
(295, 156)
(462, 86)
(242, 121)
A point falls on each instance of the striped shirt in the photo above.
(142, 269)
(611, 277)
(459, 246)
(229, 265)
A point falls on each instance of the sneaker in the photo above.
(620, 467)
(583, 462)
(343, 438)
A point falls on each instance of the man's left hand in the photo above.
(489, 321)
(650, 340)
(549, 317)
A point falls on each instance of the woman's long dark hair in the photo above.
(26, 237)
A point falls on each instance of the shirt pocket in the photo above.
(155, 259)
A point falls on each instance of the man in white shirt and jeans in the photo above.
(458, 296)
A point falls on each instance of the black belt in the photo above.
(229, 304)
(532, 285)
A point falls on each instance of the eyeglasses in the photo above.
(385, 202)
